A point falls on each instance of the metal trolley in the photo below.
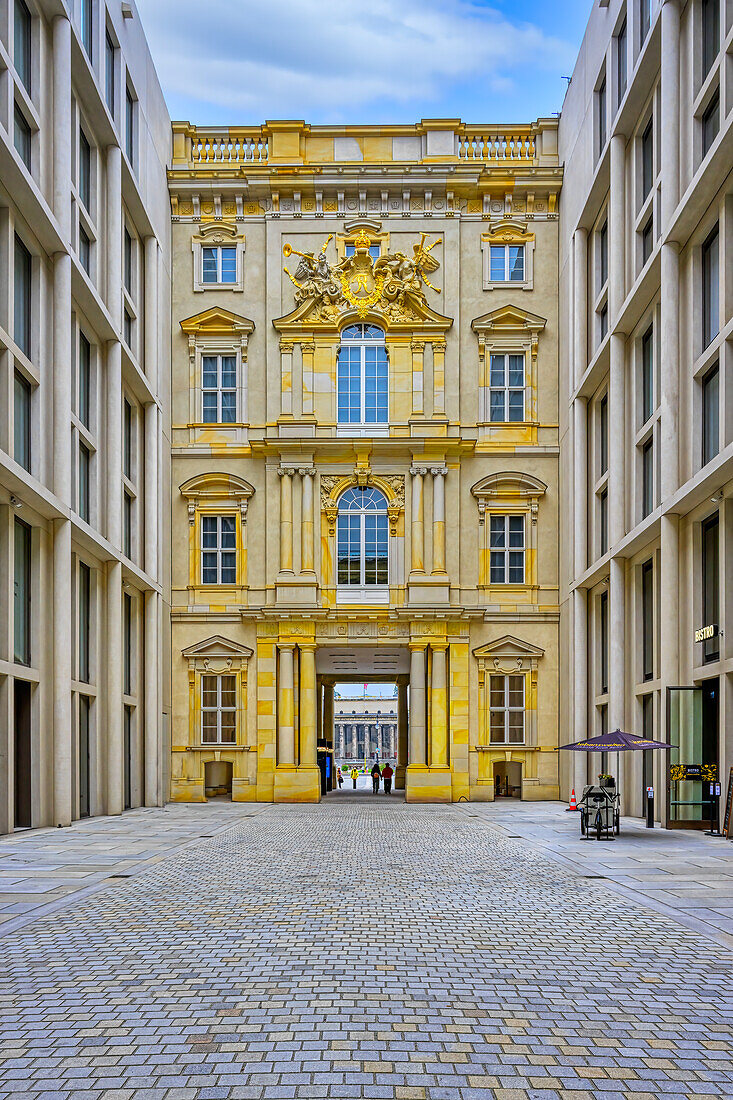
(599, 813)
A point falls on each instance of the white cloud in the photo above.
(256, 59)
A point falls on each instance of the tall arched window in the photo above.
(363, 383)
(363, 538)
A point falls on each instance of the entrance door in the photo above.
(710, 721)
(127, 758)
(84, 770)
(507, 780)
(22, 707)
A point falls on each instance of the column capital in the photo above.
(306, 471)
(439, 646)
(439, 471)
(308, 647)
(418, 471)
(283, 647)
(286, 471)
(417, 647)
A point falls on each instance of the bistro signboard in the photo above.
(704, 633)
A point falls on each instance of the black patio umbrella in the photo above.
(618, 741)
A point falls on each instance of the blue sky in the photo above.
(229, 62)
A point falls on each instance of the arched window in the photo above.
(363, 538)
(363, 384)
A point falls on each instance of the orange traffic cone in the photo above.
(573, 804)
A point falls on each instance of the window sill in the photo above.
(348, 430)
(217, 746)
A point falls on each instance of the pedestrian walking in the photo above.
(376, 776)
(354, 777)
(339, 778)
(387, 774)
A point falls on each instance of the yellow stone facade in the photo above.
(286, 238)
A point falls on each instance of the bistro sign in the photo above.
(706, 632)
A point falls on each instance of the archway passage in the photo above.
(362, 720)
(218, 779)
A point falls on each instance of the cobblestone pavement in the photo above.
(362, 949)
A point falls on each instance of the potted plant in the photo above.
(606, 780)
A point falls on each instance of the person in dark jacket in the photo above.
(387, 774)
(376, 776)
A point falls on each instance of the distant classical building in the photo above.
(646, 405)
(84, 382)
(365, 727)
(364, 451)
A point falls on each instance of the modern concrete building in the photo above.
(84, 383)
(365, 451)
(646, 400)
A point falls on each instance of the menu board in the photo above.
(728, 815)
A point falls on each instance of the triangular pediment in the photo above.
(218, 646)
(217, 321)
(508, 646)
(509, 317)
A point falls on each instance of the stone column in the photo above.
(354, 744)
(418, 376)
(392, 746)
(617, 647)
(669, 144)
(417, 706)
(402, 735)
(342, 742)
(580, 333)
(115, 793)
(580, 672)
(439, 473)
(286, 519)
(580, 487)
(151, 671)
(62, 143)
(286, 376)
(439, 708)
(308, 724)
(151, 311)
(439, 378)
(307, 522)
(286, 713)
(417, 540)
(616, 401)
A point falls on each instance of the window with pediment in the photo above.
(508, 256)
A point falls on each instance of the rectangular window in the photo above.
(710, 581)
(127, 262)
(85, 616)
(130, 127)
(127, 439)
(506, 710)
(218, 550)
(710, 11)
(602, 256)
(645, 18)
(219, 265)
(710, 415)
(22, 136)
(647, 478)
(647, 159)
(127, 631)
(127, 329)
(22, 43)
(603, 640)
(362, 382)
(22, 421)
(127, 525)
(647, 620)
(710, 289)
(603, 434)
(109, 73)
(85, 380)
(22, 297)
(603, 521)
(84, 465)
(85, 171)
(507, 263)
(647, 240)
(219, 389)
(710, 122)
(506, 564)
(602, 121)
(85, 249)
(603, 322)
(647, 374)
(506, 388)
(22, 593)
(621, 60)
(85, 22)
(219, 709)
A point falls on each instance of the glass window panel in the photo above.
(228, 531)
(228, 407)
(516, 567)
(516, 728)
(228, 727)
(497, 370)
(208, 570)
(22, 136)
(711, 288)
(22, 593)
(516, 370)
(516, 263)
(498, 264)
(497, 726)
(130, 126)
(210, 412)
(228, 691)
(711, 415)
(228, 568)
(84, 482)
(22, 421)
(516, 531)
(22, 43)
(22, 297)
(497, 568)
(109, 72)
(208, 690)
(498, 531)
(516, 691)
(85, 170)
(209, 265)
(710, 34)
(497, 410)
(228, 371)
(209, 730)
(209, 366)
(229, 265)
(516, 406)
(710, 123)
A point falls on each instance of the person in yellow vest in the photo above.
(354, 776)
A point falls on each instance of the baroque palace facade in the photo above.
(364, 452)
